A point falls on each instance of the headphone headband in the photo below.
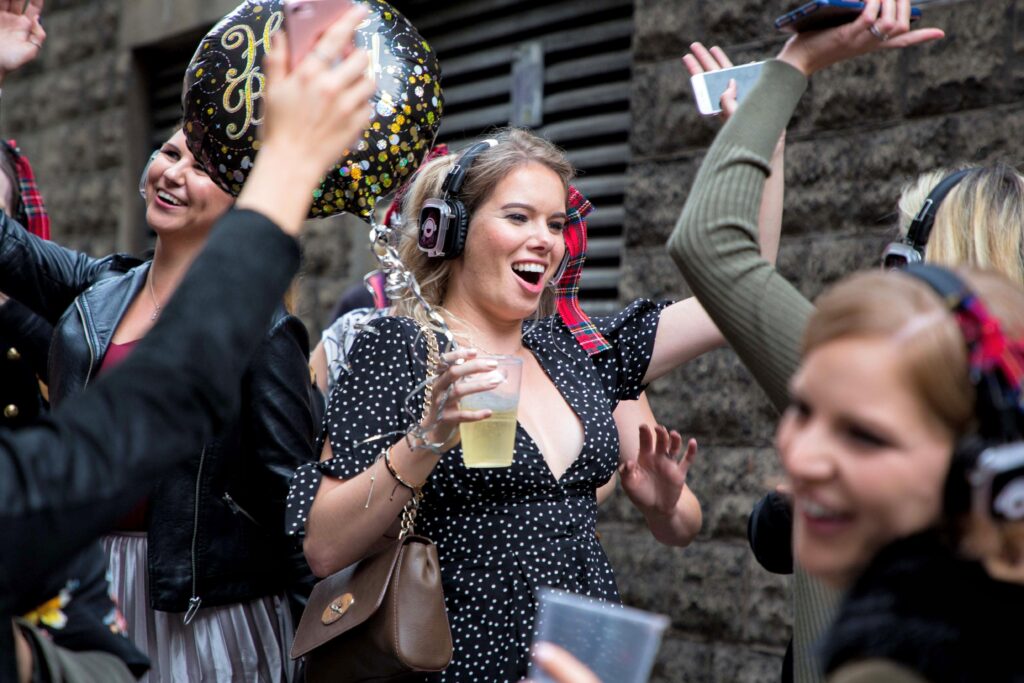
(921, 227)
(452, 185)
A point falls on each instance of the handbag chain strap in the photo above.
(433, 364)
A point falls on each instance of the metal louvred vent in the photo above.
(163, 66)
(561, 67)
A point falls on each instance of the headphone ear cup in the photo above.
(957, 491)
(460, 220)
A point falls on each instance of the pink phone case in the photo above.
(305, 21)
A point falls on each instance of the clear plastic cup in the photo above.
(491, 442)
(617, 643)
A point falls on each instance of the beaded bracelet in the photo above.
(394, 473)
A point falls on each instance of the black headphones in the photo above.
(910, 249)
(444, 222)
(988, 465)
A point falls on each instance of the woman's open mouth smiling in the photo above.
(529, 272)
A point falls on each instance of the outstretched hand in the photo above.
(655, 478)
(21, 34)
(320, 106)
(311, 114)
(883, 25)
(702, 60)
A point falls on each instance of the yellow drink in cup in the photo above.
(491, 442)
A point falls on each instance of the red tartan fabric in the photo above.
(35, 210)
(568, 286)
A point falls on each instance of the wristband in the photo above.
(394, 473)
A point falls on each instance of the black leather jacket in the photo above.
(67, 479)
(216, 521)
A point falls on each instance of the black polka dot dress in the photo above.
(501, 533)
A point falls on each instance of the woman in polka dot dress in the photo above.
(501, 533)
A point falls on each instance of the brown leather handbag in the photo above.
(383, 618)
(379, 620)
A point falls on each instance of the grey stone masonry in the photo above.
(863, 129)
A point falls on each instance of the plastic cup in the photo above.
(617, 643)
(491, 442)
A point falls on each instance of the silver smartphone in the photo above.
(709, 86)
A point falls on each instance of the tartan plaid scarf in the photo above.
(568, 286)
(36, 219)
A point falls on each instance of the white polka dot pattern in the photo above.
(500, 533)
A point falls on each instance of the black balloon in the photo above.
(224, 86)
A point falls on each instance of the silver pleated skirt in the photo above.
(245, 642)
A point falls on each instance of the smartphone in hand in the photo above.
(305, 21)
(822, 14)
(709, 86)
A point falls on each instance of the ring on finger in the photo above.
(878, 34)
(330, 60)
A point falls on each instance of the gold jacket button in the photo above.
(13, 354)
(11, 411)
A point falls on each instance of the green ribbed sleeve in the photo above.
(715, 242)
(715, 245)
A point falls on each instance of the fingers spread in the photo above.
(704, 57)
(675, 444)
(337, 40)
(692, 65)
(691, 452)
(274, 61)
(722, 58)
(348, 72)
(888, 15)
(922, 35)
(903, 14)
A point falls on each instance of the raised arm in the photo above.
(21, 34)
(715, 243)
(686, 330)
(655, 481)
(68, 478)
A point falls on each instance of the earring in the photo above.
(145, 172)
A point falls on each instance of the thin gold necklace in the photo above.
(152, 294)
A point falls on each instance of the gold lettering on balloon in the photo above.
(245, 87)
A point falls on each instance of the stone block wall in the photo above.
(862, 130)
(67, 111)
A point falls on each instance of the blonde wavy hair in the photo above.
(980, 222)
(516, 147)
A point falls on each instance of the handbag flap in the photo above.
(346, 598)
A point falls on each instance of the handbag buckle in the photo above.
(337, 608)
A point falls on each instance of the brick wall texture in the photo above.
(863, 129)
